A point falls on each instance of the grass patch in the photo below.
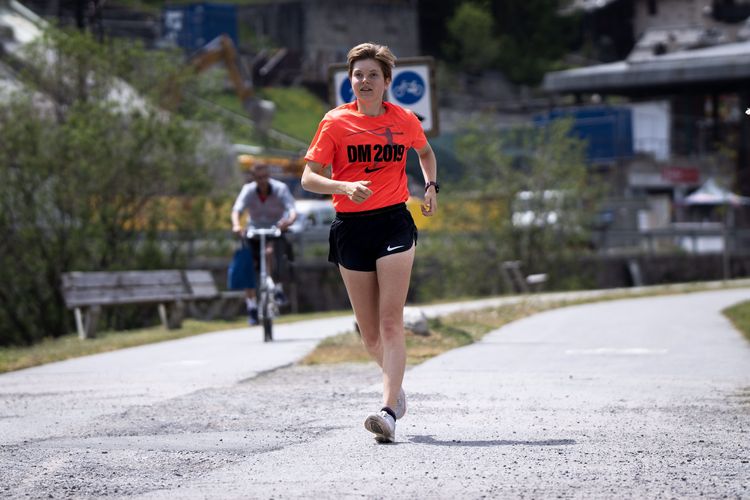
(70, 346)
(298, 111)
(446, 333)
(739, 315)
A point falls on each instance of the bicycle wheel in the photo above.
(267, 321)
(267, 329)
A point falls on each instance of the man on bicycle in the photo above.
(268, 203)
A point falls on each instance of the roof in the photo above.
(23, 23)
(710, 193)
(673, 39)
(26, 27)
(721, 63)
(585, 6)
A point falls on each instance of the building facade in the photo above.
(686, 83)
(317, 33)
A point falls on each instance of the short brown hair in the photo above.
(369, 50)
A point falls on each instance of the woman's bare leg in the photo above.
(393, 275)
(378, 300)
(362, 288)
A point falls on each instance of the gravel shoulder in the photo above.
(297, 432)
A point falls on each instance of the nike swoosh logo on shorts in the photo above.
(390, 248)
(369, 170)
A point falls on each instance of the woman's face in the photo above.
(368, 82)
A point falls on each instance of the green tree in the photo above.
(91, 175)
(533, 37)
(526, 196)
(472, 44)
(522, 38)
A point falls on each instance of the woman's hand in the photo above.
(358, 191)
(429, 206)
(314, 181)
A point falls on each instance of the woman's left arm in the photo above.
(428, 163)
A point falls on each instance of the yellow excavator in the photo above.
(286, 165)
(221, 50)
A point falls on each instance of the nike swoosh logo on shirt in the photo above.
(369, 170)
(390, 248)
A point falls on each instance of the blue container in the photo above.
(608, 130)
(193, 26)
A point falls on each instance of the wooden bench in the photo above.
(87, 292)
(515, 280)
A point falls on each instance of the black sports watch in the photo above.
(432, 183)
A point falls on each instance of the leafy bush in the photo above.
(479, 225)
(88, 166)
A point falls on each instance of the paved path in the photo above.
(638, 398)
(105, 383)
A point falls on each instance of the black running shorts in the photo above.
(358, 239)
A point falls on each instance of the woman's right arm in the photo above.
(314, 181)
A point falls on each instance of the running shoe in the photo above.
(382, 425)
(400, 409)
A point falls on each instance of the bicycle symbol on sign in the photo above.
(410, 87)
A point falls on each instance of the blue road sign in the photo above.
(346, 92)
(408, 87)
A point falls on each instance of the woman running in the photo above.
(373, 238)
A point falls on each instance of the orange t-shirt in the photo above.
(361, 147)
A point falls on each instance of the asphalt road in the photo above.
(636, 398)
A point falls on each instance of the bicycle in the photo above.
(268, 306)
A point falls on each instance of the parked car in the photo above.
(313, 216)
(537, 209)
(309, 233)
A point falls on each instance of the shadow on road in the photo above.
(493, 442)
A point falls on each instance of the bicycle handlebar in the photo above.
(272, 231)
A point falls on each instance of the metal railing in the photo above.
(703, 238)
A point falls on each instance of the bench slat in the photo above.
(201, 284)
(121, 278)
(77, 299)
